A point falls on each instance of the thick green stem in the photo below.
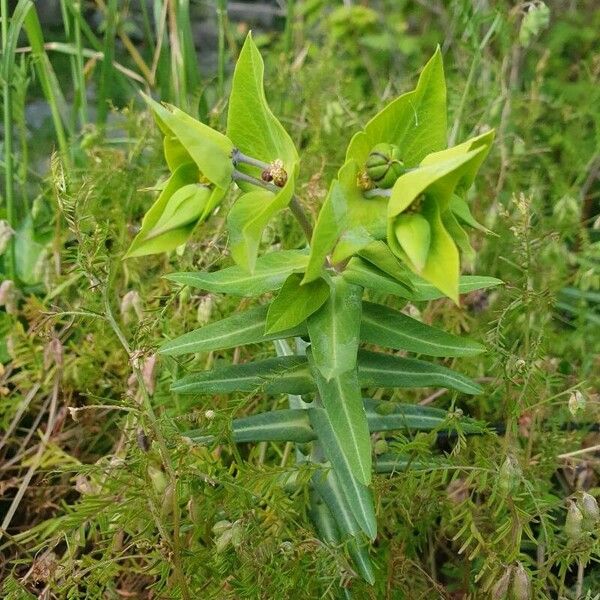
(295, 205)
(157, 432)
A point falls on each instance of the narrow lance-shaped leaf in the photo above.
(425, 291)
(277, 425)
(360, 272)
(389, 416)
(329, 532)
(328, 228)
(390, 328)
(334, 329)
(269, 274)
(293, 425)
(295, 303)
(384, 370)
(355, 492)
(278, 375)
(240, 329)
(344, 408)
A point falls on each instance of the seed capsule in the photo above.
(278, 173)
(590, 511)
(521, 586)
(573, 522)
(384, 165)
(500, 588)
(510, 474)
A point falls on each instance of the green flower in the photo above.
(199, 159)
(425, 211)
(399, 185)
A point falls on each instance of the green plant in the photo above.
(400, 238)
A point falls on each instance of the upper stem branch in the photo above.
(295, 205)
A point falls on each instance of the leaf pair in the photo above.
(200, 161)
(291, 375)
(422, 225)
(255, 131)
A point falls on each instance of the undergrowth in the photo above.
(87, 510)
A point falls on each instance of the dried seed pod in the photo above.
(510, 474)
(158, 479)
(573, 522)
(385, 165)
(521, 585)
(500, 589)
(590, 511)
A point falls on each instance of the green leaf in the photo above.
(389, 416)
(389, 328)
(171, 219)
(248, 218)
(346, 415)
(328, 228)
(415, 122)
(366, 217)
(242, 328)
(295, 303)
(379, 254)
(482, 142)
(269, 274)
(334, 329)
(468, 283)
(280, 375)
(322, 519)
(360, 272)
(209, 149)
(354, 490)
(436, 180)
(458, 234)
(286, 425)
(398, 463)
(251, 125)
(461, 210)
(413, 233)
(291, 375)
(384, 370)
(442, 267)
(175, 154)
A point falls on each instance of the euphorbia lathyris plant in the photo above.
(391, 222)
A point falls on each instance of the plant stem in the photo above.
(295, 205)
(8, 142)
(240, 157)
(301, 216)
(153, 423)
(378, 193)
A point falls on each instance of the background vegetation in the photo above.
(87, 508)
